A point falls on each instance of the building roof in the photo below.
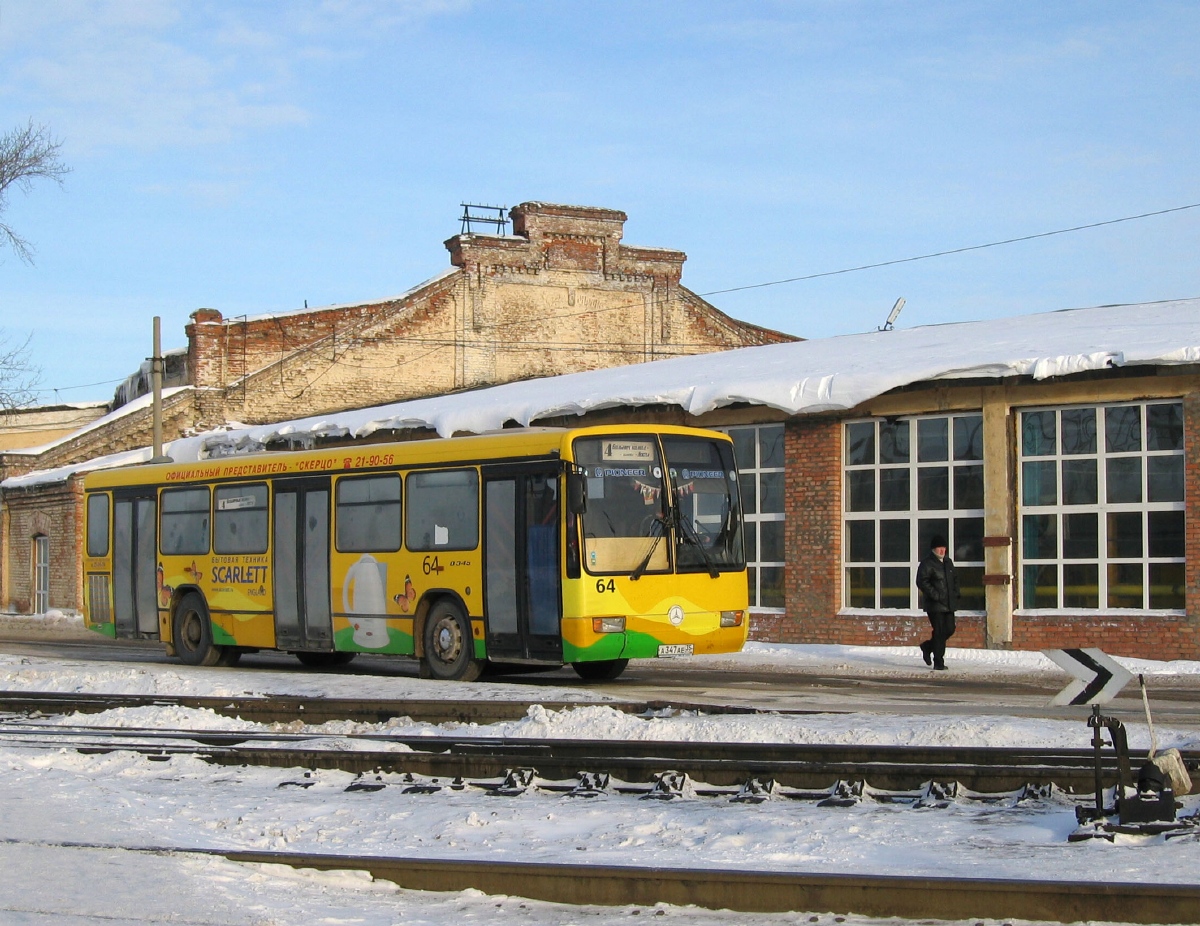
(802, 377)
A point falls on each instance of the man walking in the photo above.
(938, 583)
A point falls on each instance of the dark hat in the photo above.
(937, 541)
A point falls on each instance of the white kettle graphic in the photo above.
(364, 592)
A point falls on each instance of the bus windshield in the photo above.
(625, 521)
(708, 520)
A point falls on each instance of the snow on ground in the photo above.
(74, 826)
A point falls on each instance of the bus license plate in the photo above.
(675, 649)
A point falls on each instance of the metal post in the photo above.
(156, 372)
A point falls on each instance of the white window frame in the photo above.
(751, 469)
(913, 514)
(41, 574)
(1101, 509)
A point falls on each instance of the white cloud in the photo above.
(147, 74)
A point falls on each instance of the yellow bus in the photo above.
(542, 546)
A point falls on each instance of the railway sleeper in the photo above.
(938, 795)
(675, 785)
(844, 794)
(516, 782)
(669, 786)
(755, 791)
(591, 784)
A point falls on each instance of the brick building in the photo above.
(1059, 453)
(561, 294)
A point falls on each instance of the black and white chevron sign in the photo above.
(1098, 677)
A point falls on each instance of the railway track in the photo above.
(314, 710)
(914, 898)
(799, 770)
(753, 772)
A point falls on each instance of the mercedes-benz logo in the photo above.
(675, 615)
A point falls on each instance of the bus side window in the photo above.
(442, 510)
(368, 514)
(240, 520)
(183, 519)
(97, 524)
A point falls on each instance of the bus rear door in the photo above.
(522, 585)
(301, 559)
(136, 581)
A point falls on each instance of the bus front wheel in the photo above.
(604, 670)
(449, 648)
(191, 632)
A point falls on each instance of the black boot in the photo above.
(926, 654)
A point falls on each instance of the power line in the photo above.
(288, 343)
(974, 247)
(107, 382)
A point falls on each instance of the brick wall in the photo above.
(1143, 636)
(56, 512)
(127, 432)
(813, 505)
(560, 295)
(813, 537)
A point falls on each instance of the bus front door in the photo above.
(136, 581)
(523, 588)
(301, 558)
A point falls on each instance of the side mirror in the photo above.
(576, 493)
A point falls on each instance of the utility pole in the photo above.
(156, 372)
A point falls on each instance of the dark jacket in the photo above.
(938, 584)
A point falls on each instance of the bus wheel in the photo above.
(449, 649)
(324, 660)
(192, 632)
(604, 670)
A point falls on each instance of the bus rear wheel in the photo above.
(605, 670)
(449, 648)
(191, 632)
(324, 660)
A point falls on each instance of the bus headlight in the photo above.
(731, 618)
(608, 625)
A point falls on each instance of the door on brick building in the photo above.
(135, 564)
(41, 574)
(522, 585)
(301, 559)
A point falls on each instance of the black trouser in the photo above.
(942, 623)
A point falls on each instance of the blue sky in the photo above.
(250, 156)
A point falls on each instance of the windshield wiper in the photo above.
(645, 563)
(689, 533)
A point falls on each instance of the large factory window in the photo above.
(1102, 511)
(906, 480)
(758, 452)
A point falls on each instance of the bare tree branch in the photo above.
(27, 154)
(19, 378)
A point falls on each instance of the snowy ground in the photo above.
(74, 827)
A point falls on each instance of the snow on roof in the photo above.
(136, 405)
(801, 377)
(63, 473)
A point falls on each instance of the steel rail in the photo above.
(802, 766)
(775, 891)
(316, 709)
(913, 897)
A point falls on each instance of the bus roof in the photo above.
(516, 443)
